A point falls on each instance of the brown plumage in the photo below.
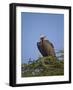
(45, 47)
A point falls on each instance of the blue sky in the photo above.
(35, 24)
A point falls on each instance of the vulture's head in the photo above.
(43, 37)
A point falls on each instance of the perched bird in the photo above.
(45, 47)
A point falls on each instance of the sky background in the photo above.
(33, 25)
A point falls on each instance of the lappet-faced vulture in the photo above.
(45, 47)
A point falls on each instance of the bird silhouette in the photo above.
(45, 47)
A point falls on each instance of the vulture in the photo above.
(45, 47)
